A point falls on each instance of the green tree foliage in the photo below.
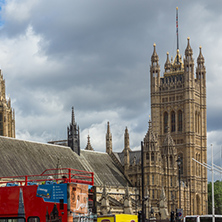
(217, 197)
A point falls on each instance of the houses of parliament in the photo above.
(177, 130)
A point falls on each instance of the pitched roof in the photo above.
(132, 154)
(19, 157)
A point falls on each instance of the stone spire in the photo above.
(168, 141)
(126, 140)
(167, 63)
(73, 135)
(88, 146)
(109, 149)
(150, 136)
(126, 150)
(188, 51)
(200, 59)
(7, 115)
(201, 70)
(154, 57)
(73, 116)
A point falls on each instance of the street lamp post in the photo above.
(142, 175)
(179, 166)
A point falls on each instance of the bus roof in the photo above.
(71, 175)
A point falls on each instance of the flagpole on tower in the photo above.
(177, 27)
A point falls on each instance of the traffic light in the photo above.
(177, 216)
(172, 216)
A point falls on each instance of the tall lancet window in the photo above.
(180, 121)
(181, 162)
(172, 121)
(1, 124)
(165, 122)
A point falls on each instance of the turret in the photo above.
(88, 146)
(188, 50)
(73, 116)
(126, 139)
(201, 70)
(151, 147)
(167, 65)
(126, 150)
(154, 70)
(109, 148)
(73, 135)
(188, 63)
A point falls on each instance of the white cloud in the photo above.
(18, 11)
(95, 56)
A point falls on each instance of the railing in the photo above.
(59, 175)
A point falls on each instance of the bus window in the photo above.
(12, 219)
(218, 219)
(33, 219)
(208, 218)
(191, 219)
(205, 219)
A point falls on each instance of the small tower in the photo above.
(109, 148)
(201, 70)
(189, 65)
(73, 135)
(154, 84)
(88, 146)
(7, 114)
(152, 164)
(169, 163)
(167, 64)
(154, 70)
(126, 150)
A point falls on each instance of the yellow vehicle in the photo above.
(118, 218)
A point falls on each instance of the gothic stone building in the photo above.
(177, 129)
(7, 114)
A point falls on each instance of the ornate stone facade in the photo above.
(7, 114)
(178, 129)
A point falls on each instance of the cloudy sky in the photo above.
(95, 55)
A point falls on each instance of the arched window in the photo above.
(172, 121)
(180, 121)
(171, 161)
(200, 166)
(196, 124)
(147, 156)
(165, 122)
(153, 179)
(181, 162)
(197, 164)
(152, 156)
(1, 124)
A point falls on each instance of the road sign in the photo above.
(180, 213)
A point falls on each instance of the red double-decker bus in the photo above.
(56, 195)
